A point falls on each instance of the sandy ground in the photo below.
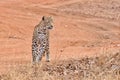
(81, 28)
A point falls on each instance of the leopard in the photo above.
(40, 39)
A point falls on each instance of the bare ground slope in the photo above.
(81, 28)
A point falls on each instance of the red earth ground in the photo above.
(81, 28)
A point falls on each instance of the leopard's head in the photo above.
(48, 22)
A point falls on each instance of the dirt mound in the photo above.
(97, 68)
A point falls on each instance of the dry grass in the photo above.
(104, 67)
(98, 8)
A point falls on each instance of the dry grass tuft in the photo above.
(97, 68)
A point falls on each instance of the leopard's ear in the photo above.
(51, 17)
(43, 18)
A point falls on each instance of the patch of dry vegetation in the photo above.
(99, 8)
(104, 67)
